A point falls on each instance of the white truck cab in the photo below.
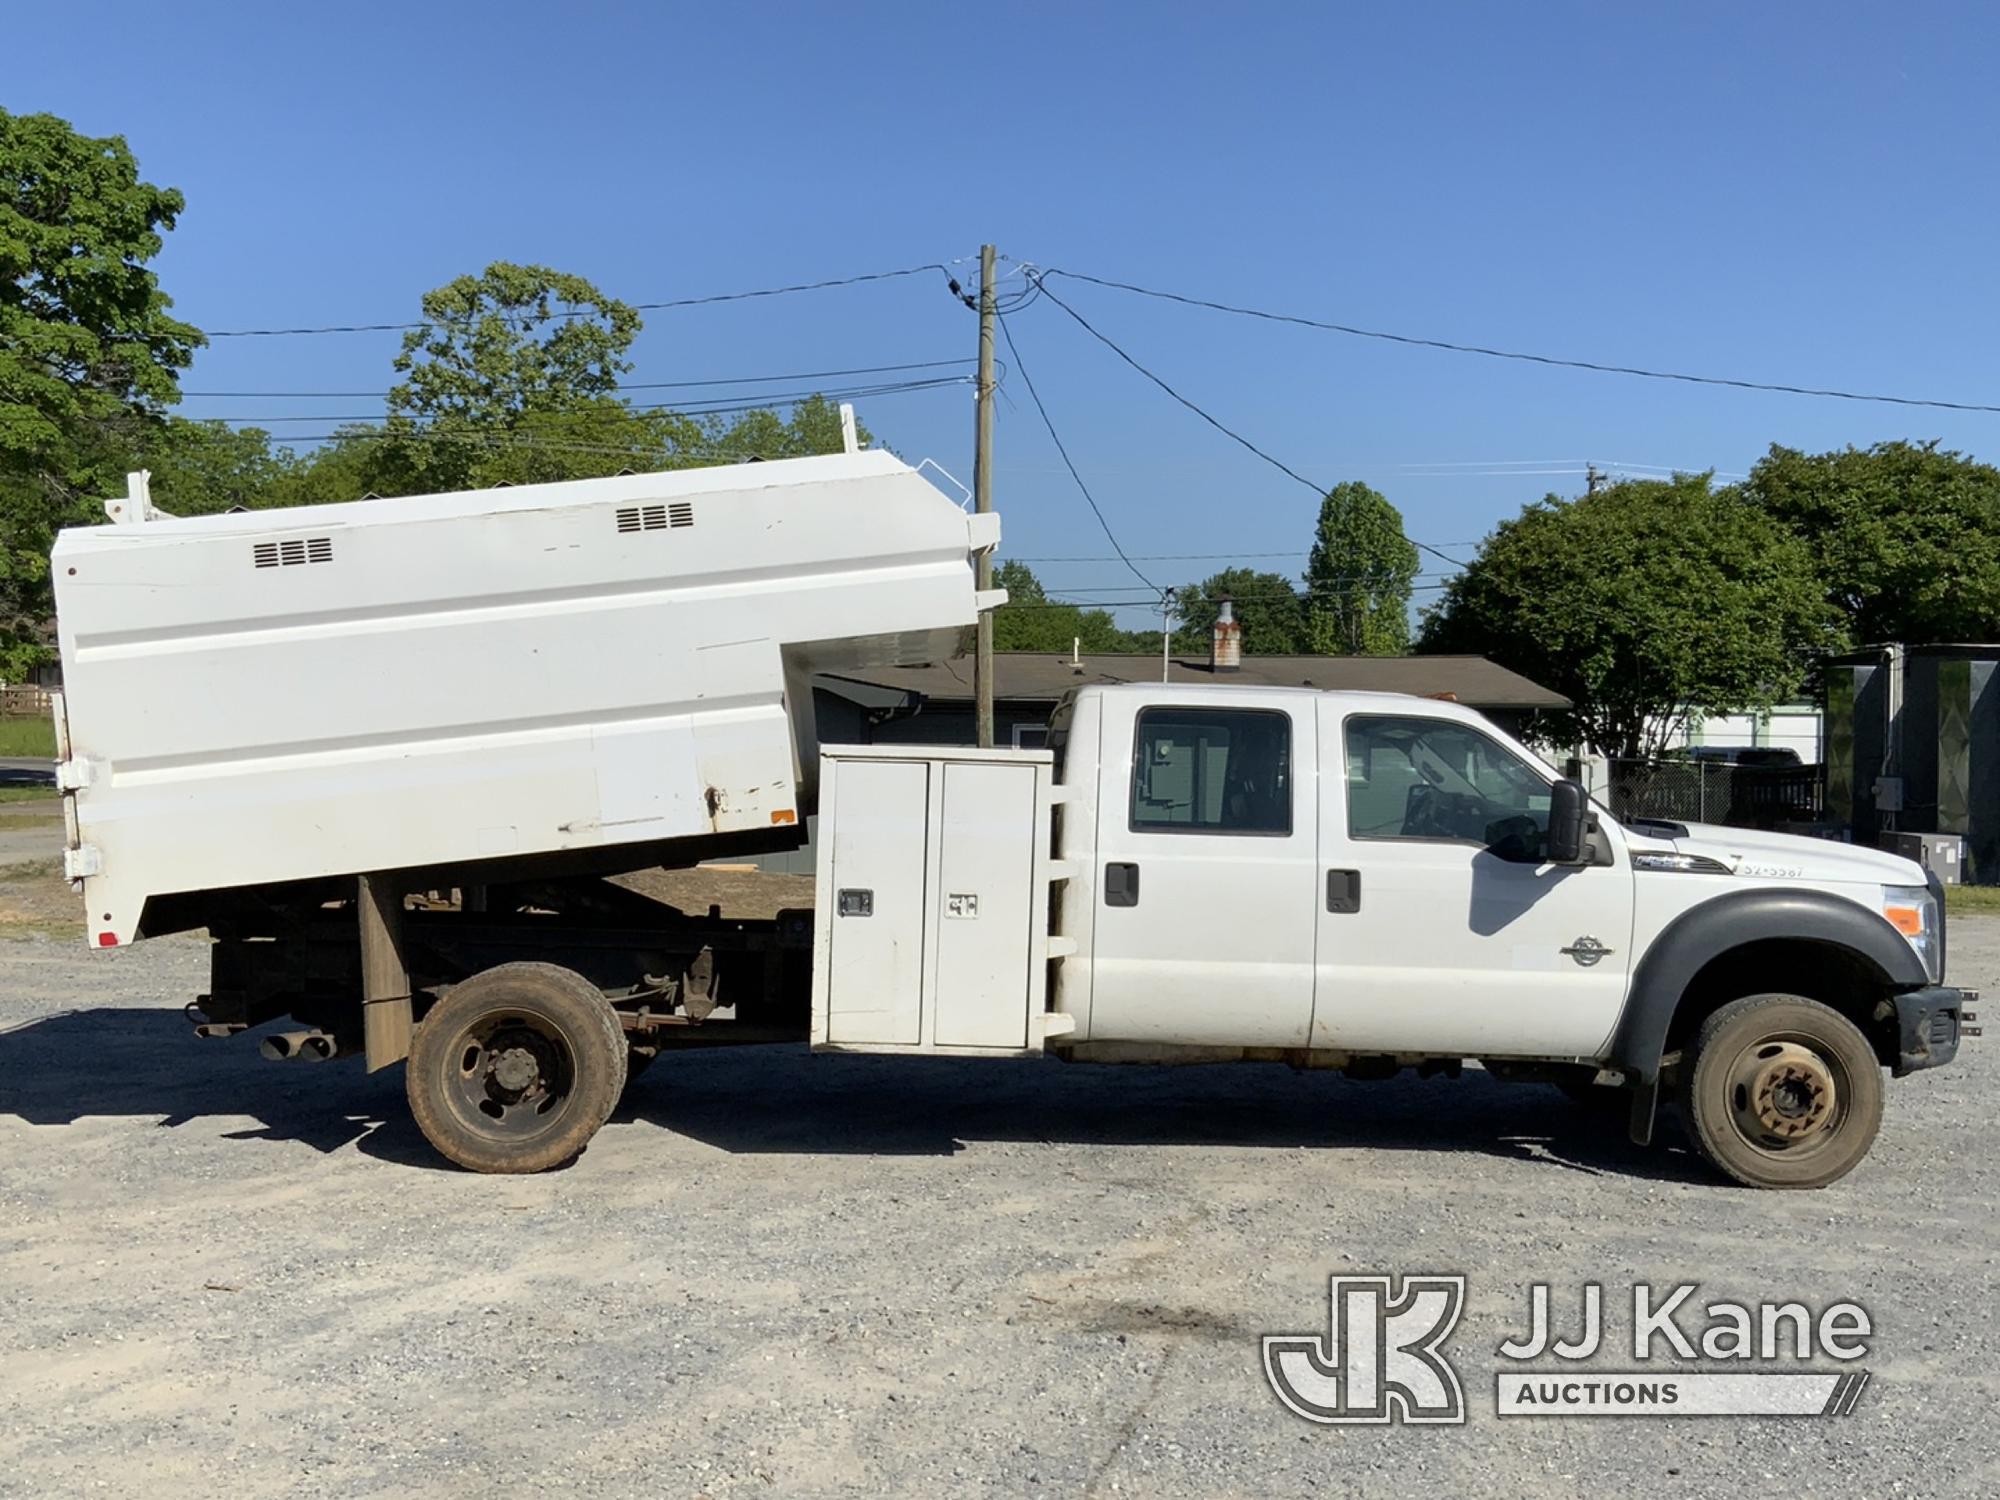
(1372, 881)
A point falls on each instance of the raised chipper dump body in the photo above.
(590, 675)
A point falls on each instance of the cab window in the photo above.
(1212, 770)
(1435, 779)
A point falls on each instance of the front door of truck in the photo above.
(1205, 871)
(1440, 929)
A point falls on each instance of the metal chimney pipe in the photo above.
(1226, 643)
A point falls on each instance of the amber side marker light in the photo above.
(1908, 920)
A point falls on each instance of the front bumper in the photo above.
(1929, 1023)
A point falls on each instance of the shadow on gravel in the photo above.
(779, 1100)
(147, 1061)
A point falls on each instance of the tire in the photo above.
(515, 1069)
(1784, 1092)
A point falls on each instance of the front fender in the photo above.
(1711, 929)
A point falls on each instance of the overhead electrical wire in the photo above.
(1218, 425)
(1343, 580)
(1186, 598)
(1197, 556)
(512, 439)
(1449, 346)
(710, 408)
(674, 302)
(1056, 438)
(641, 385)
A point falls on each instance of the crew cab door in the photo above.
(1205, 872)
(1441, 930)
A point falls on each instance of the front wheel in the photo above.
(515, 1069)
(1784, 1092)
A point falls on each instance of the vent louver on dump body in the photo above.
(292, 552)
(655, 517)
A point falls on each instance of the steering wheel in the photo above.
(1518, 837)
(1424, 813)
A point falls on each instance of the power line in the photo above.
(769, 291)
(1344, 583)
(531, 440)
(1026, 379)
(1181, 598)
(713, 408)
(1226, 431)
(1515, 354)
(644, 385)
(1196, 556)
(1164, 557)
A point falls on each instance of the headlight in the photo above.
(1913, 911)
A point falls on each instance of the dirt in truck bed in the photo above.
(742, 894)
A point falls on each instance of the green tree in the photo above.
(1267, 605)
(812, 428)
(1905, 536)
(353, 465)
(200, 468)
(89, 352)
(1641, 603)
(513, 379)
(1029, 621)
(1358, 578)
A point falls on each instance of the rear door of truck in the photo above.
(1206, 870)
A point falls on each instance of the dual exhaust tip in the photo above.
(301, 1046)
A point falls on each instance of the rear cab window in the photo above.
(1212, 770)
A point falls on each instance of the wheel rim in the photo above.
(510, 1075)
(1787, 1098)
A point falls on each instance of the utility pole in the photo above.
(1168, 601)
(982, 502)
(1593, 477)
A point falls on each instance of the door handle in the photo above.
(1121, 885)
(1343, 891)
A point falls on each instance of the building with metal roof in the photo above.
(932, 704)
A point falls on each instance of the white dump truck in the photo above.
(387, 753)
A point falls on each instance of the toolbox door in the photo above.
(874, 903)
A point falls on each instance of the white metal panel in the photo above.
(875, 907)
(1454, 950)
(1218, 949)
(985, 898)
(983, 978)
(390, 684)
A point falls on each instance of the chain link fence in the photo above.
(1695, 791)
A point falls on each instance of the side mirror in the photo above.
(1569, 823)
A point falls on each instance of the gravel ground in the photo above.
(774, 1274)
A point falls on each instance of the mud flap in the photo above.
(1645, 1104)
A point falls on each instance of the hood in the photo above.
(1778, 856)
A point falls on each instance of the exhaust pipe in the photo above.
(305, 1046)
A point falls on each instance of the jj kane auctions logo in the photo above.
(1382, 1357)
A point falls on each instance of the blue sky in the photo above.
(1785, 192)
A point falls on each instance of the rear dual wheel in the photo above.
(515, 1069)
(1784, 1093)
